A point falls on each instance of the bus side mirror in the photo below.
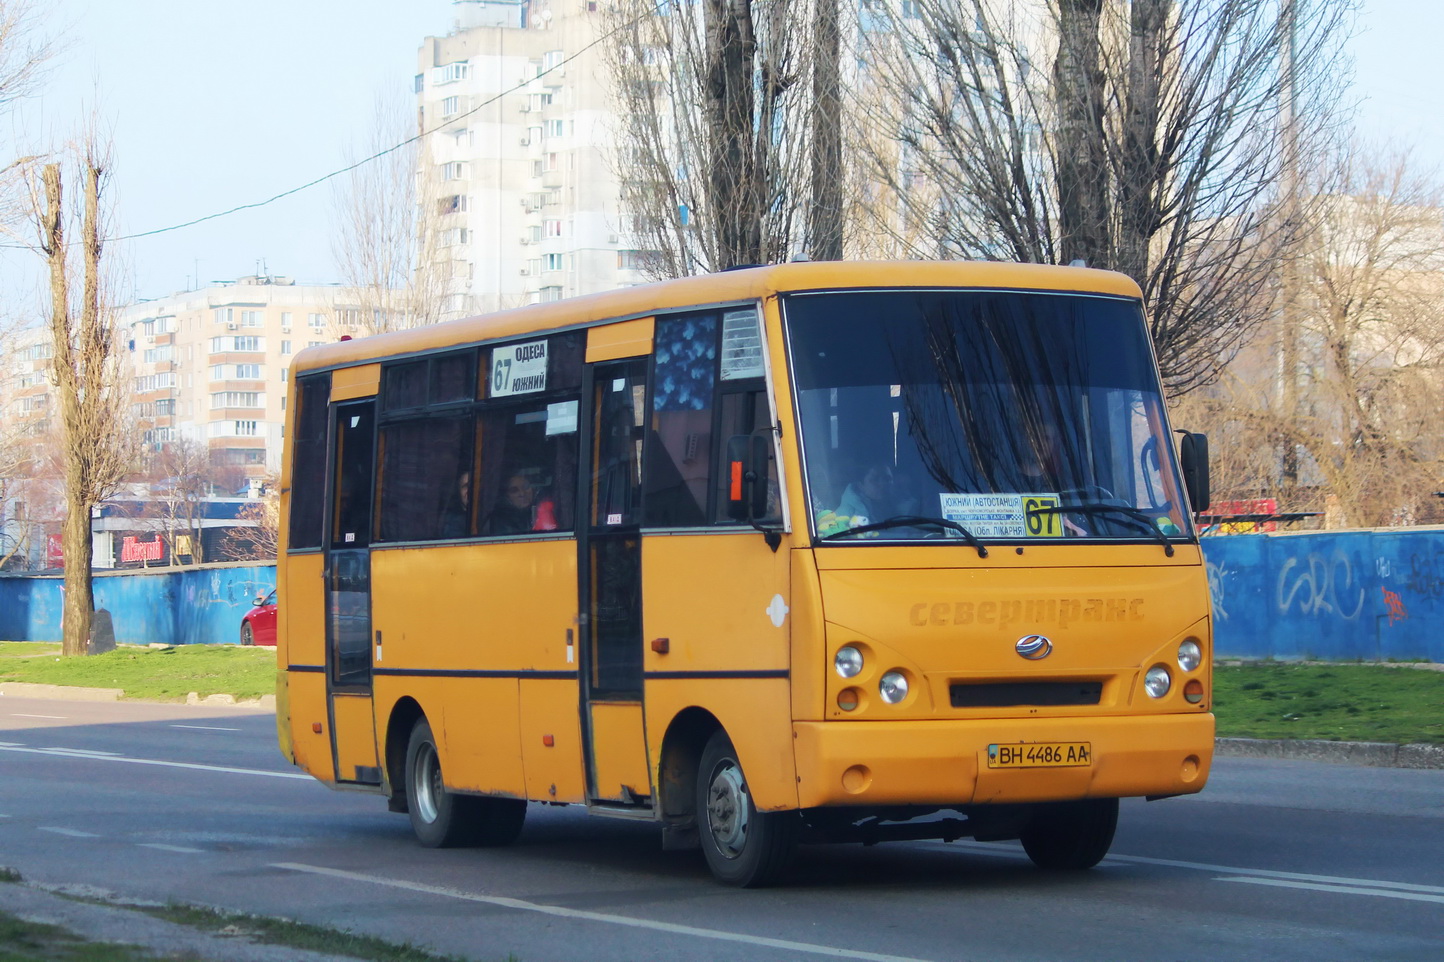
(746, 477)
(1193, 458)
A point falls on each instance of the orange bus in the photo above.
(810, 552)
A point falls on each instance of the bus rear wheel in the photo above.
(743, 846)
(444, 819)
(1071, 835)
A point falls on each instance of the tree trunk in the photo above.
(734, 218)
(1081, 163)
(75, 538)
(825, 218)
(1139, 182)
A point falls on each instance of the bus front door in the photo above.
(348, 595)
(610, 574)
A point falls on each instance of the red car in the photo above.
(258, 627)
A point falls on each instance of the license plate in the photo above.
(1040, 755)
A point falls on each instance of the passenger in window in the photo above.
(873, 498)
(521, 508)
(456, 517)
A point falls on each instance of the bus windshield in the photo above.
(986, 415)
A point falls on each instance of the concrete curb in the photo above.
(24, 689)
(1369, 754)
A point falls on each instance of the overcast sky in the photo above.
(212, 105)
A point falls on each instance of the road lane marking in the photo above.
(54, 753)
(1233, 870)
(171, 848)
(557, 910)
(72, 832)
(1342, 889)
(16, 714)
(206, 728)
(1236, 874)
(87, 752)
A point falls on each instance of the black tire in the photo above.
(248, 637)
(743, 846)
(1071, 835)
(444, 819)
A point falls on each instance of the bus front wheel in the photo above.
(743, 846)
(1071, 835)
(444, 819)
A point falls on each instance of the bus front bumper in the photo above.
(961, 762)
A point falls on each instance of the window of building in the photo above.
(285, 347)
(553, 228)
(450, 106)
(455, 170)
(551, 293)
(223, 315)
(552, 262)
(250, 318)
(635, 260)
(556, 128)
(316, 320)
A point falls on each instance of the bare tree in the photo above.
(1368, 370)
(97, 442)
(716, 132)
(258, 536)
(389, 213)
(1136, 135)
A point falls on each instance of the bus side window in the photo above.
(308, 462)
(747, 412)
(426, 489)
(528, 469)
(679, 446)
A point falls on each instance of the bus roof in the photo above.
(726, 287)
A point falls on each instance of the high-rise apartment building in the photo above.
(209, 366)
(517, 158)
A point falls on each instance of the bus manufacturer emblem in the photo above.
(1034, 647)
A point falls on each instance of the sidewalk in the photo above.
(162, 939)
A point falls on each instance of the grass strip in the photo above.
(152, 674)
(1335, 702)
(22, 941)
(295, 935)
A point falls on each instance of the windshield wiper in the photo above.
(913, 521)
(1128, 512)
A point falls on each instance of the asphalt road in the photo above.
(1276, 860)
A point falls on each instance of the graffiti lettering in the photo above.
(1426, 575)
(1397, 611)
(1326, 587)
(1216, 594)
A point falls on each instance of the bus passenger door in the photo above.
(610, 574)
(348, 595)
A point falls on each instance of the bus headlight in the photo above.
(1189, 655)
(893, 688)
(1157, 681)
(847, 661)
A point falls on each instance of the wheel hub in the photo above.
(727, 809)
(427, 779)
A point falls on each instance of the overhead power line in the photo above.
(384, 152)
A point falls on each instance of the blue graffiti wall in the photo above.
(173, 606)
(1332, 596)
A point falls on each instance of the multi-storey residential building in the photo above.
(210, 366)
(526, 200)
